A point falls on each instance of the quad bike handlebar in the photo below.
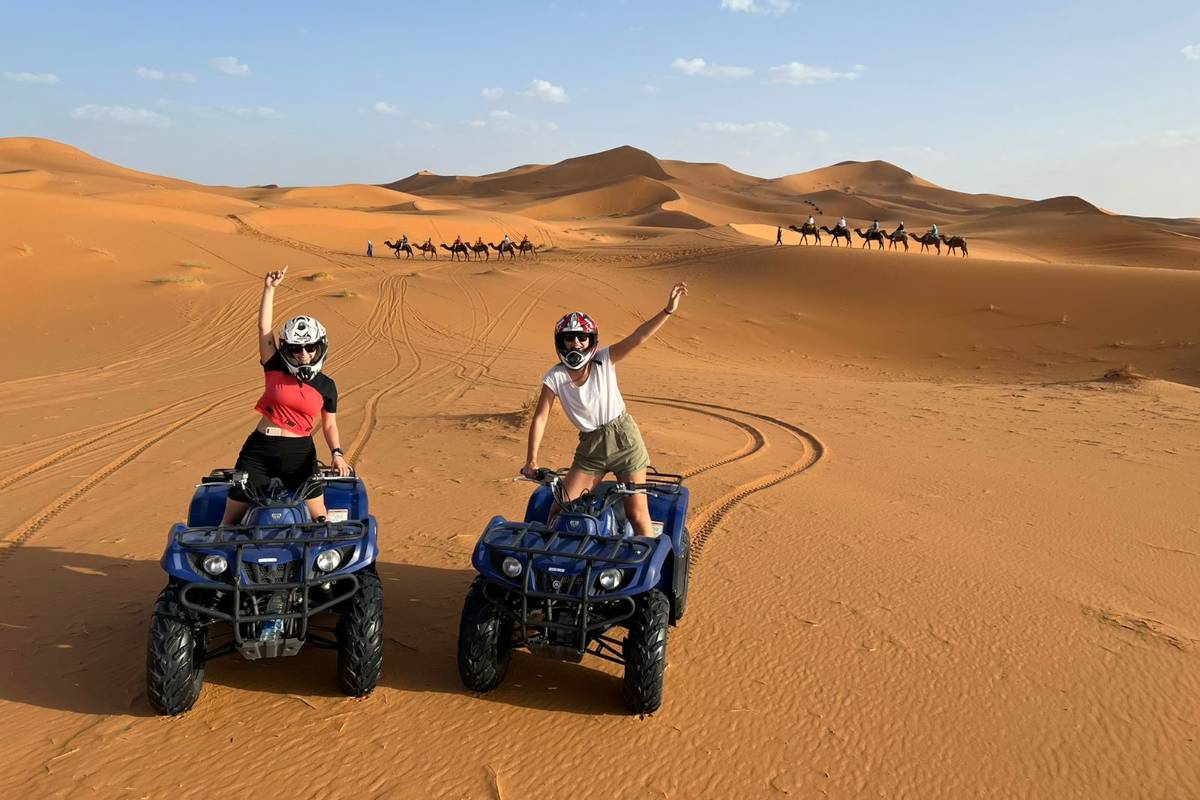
(608, 495)
(275, 490)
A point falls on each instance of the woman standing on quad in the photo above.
(585, 381)
(296, 392)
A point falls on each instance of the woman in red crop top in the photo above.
(296, 393)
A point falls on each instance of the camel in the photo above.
(504, 247)
(837, 233)
(481, 248)
(526, 245)
(895, 238)
(399, 247)
(805, 231)
(456, 249)
(870, 236)
(428, 250)
(928, 240)
(954, 243)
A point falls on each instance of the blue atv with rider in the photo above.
(258, 588)
(558, 584)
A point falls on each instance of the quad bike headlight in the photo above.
(609, 579)
(510, 566)
(329, 560)
(215, 564)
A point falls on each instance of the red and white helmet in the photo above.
(307, 331)
(573, 325)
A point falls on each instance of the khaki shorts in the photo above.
(615, 447)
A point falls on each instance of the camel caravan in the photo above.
(479, 250)
(894, 240)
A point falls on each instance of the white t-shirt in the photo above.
(596, 403)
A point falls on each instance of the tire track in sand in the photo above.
(707, 519)
(23, 532)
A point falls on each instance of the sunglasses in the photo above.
(567, 338)
(296, 349)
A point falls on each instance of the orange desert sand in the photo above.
(948, 508)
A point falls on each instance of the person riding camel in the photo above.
(900, 228)
(524, 239)
(810, 222)
(934, 230)
(874, 226)
(506, 241)
(585, 382)
(458, 240)
(404, 240)
(841, 225)
(479, 242)
(297, 397)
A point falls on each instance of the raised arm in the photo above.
(537, 427)
(648, 328)
(266, 337)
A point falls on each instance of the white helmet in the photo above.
(303, 331)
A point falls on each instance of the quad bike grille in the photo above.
(273, 573)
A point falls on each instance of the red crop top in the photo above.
(291, 403)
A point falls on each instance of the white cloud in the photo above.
(798, 74)
(545, 90)
(508, 122)
(260, 112)
(492, 94)
(152, 74)
(228, 65)
(423, 125)
(764, 128)
(649, 88)
(386, 108)
(1191, 52)
(756, 7)
(31, 77)
(122, 114)
(698, 66)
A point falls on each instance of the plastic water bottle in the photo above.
(271, 629)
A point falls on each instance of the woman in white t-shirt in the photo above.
(585, 382)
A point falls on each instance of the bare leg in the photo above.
(637, 506)
(234, 511)
(316, 507)
(575, 483)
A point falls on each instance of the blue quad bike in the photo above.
(257, 588)
(558, 588)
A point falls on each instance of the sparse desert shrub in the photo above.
(1125, 372)
(192, 263)
(163, 280)
(345, 294)
(319, 276)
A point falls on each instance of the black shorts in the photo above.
(291, 459)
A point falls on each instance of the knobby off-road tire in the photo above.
(484, 642)
(683, 562)
(645, 653)
(360, 638)
(174, 657)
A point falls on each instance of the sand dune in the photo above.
(946, 507)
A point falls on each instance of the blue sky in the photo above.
(1031, 99)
